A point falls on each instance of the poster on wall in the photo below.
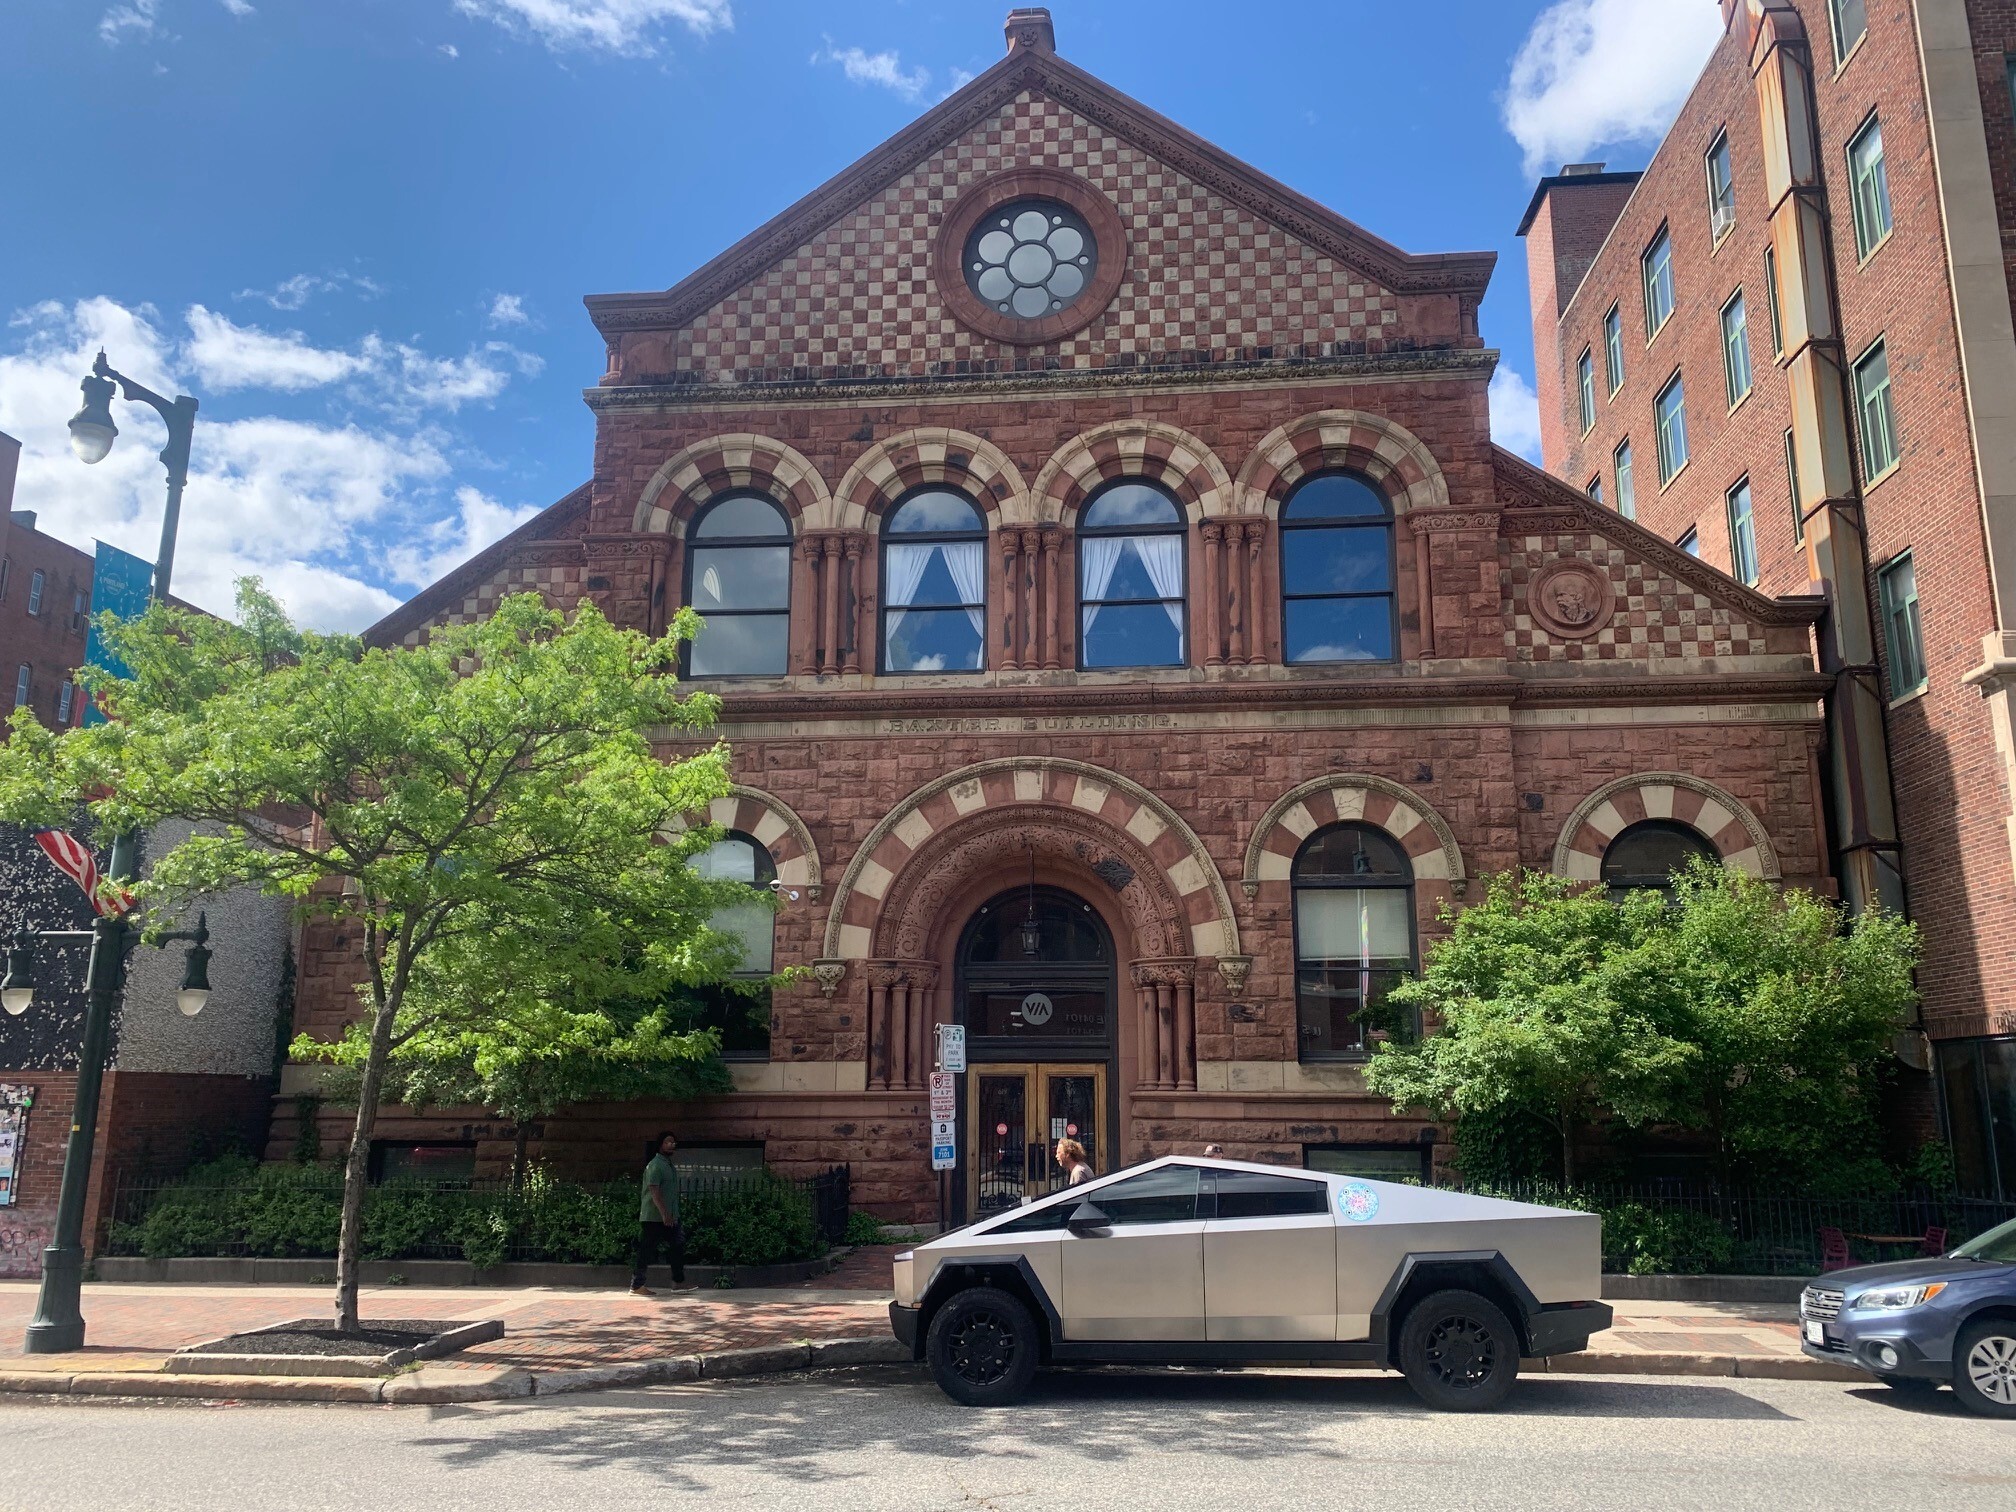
(14, 1105)
(24, 1232)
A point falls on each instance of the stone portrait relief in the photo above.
(1570, 599)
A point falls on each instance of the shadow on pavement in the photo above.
(789, 1426)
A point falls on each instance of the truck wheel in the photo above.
(1459, 1351)
(982, 1347)
(1984, 1367)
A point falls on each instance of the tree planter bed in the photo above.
(313, 1347)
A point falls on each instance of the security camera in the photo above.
(789, 892)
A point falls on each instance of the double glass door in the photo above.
(1016, 1115)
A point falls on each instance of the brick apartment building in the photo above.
(1786, 346)
(45, 606)
(1103, 542)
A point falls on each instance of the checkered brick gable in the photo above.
(1202, 275)
(1656, 615)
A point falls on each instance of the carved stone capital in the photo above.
(1233, 969)
(829, 975)
(882, 974)
(1163, 973)
(1214, 532)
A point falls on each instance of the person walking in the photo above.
(1071, 1158)
(658, 1219)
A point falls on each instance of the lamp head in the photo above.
(195, 991)
(91, 428)
(17, 989)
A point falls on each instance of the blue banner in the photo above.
(121, 583)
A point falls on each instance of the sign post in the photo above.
(945, 1111)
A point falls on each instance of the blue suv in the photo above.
(1915, 1323)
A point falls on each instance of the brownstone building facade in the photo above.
(1129, 640)
(1788, 347)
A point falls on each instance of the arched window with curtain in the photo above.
(740, 1007)
(738, 575)
(1130, 578)
(1337, 571)
(1645, 855)
(934, 585)
(1354, 936)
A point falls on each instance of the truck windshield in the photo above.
(1999, 1243)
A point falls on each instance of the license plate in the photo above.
(1815, 1334)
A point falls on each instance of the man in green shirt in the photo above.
(658, 1219)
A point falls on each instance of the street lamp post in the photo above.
(58, 1325)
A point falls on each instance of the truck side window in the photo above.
(1250, 1194)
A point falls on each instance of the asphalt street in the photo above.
(884, 1439)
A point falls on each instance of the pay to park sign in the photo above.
(944, 1112)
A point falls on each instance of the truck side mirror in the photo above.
(1086, 1221)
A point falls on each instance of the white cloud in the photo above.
(629, 27)
(1593, 73)
(449, 50)
(883, 69)
(507, 310)
(1515, 414)
(239, 8)
(135, 21)
(227, 356)
(477, 522)
(293, 293)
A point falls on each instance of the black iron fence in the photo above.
(1669, 1227)
(733, 1216)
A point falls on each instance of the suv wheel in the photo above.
(982, 1347)
(1459, 1351)
(1984, 1367)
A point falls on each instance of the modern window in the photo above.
(1585, 387)
(740, 1007)
(1613, 349)
(1742, 534)
(1850, 19)
(1979, 1080)
(63, 696)
(1337, 571)
(1869, 187)
(35, 582)
(6, 571)
(1627, 500)
(738, 575)
(1645, 855)
(1898, 588)
(1690, 543)
(1262, 1194)
(1354, 935)
(1792, 486)
(1736, 348)
(1410, 1163)
(24, 678)
(1670, 410)
(1721, 189)
(1130, 578)
(1872, 406)
(1771, 302)
(934, 585)
(1657, 265)
(1594, 487)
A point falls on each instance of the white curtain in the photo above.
(1163, 557)
(1100, 555)
(1338, 925)
(905, 569)
(967, 562)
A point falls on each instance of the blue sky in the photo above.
(359, 230)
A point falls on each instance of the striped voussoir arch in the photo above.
(1037, 782)
(1143, 449)
(1350, 797)
(774, 825)
(1720, 818)
(931, 454)
(1383, 450)
(727, 464)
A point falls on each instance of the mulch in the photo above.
(378, 1337)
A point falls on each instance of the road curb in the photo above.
(510, 1382)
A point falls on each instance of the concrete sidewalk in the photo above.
(562, 1339)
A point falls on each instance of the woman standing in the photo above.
(1071, 1160)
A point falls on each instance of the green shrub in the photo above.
(1643, 1241)
(767, 1221)
(863, 1228)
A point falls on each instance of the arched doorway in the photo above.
(1035, 988)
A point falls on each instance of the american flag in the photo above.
(74, 859)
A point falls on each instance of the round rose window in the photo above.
(1030, 259)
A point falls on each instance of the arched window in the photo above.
(740, 1009)
(1644, 857)
(738, 575)
(1337, 571)
(934, 585)
(1130, 578)
(1354, 934)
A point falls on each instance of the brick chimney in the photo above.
(1029, 30)
(1565, 224)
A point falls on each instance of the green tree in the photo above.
(480, 811)
(1546, 1001)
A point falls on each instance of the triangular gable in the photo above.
(1030, 107)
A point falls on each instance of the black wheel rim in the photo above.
(983, 1347)
(1461, 1352)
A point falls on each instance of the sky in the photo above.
(359, 231)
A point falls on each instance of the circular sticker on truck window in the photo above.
(1357, 1201)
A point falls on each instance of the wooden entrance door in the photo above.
(1016, 1113)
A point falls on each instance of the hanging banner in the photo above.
(122, 583)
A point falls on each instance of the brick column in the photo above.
(829, 641)
(1235, 592)
(1424, 590)
(805, 604)
(1255, 574)
(1213, 609)
(1051, 538)
(1186, 1035)
(1011, 592)
(881, 979)
(855, 544)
